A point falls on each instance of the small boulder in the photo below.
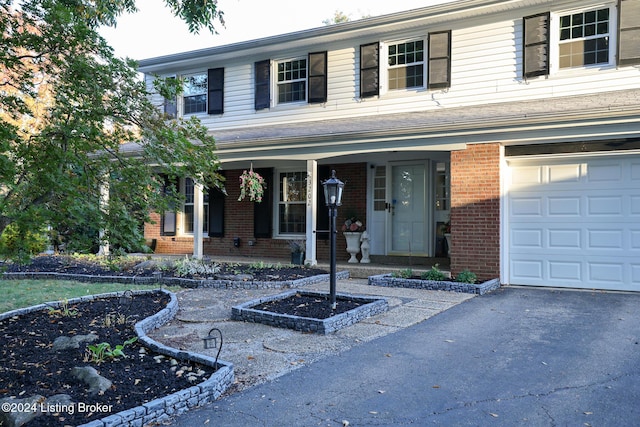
(96, 382)
(18, 412)
(66, 343)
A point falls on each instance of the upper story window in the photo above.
(406, 65)
(204, 92)
(195, 94)
(584, 38)
(292, 81)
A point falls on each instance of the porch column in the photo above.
(312, 208)
(198, 219)
(104, 207)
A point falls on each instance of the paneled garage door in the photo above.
(574, 223)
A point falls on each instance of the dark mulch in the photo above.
(132, 267)
(316, 307)
(30, 366)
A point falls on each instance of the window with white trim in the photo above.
(584, 38)
(291, 218)
(405, 68)
(194, 93)
(292, 80)
(188, 208)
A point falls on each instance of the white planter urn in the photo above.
(353, 244)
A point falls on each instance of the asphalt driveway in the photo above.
(517, 356)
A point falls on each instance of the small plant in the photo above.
(195, 267)
(297, 246)
(466, 276)
(98, 353)
(433, 274)
(403, 274)
(63, 310)
(114, 319)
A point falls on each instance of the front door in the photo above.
(408, 232)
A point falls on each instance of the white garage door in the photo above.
(574, 223)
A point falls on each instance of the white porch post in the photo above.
(312, 208)
(104, 207)
(198, 220)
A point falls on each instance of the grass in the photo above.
(25, 293)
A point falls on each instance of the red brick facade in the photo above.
(475, 210)
(239, 222)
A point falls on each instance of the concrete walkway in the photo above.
(260, 353)
(516, 356)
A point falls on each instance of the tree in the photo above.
(338, 18)
(75, 120)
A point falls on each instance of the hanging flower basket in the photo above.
(252, 185)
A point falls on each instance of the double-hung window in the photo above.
(188, 209)
(584, 38)
(405, 65)
(195, 93)
(292, 80)
(292, 203)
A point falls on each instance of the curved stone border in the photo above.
(177, 281)
(160, 409)
(370, 307)
(436, 285)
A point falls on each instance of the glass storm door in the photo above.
(409, 230)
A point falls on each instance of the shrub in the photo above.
(403, 274)
(20, 244)
(433, 274)
(195, 267)
(466, 276)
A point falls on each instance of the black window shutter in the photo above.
(369, 70)
(322, 216)
(168, 218)
(535, 50)
(215, 80)
(262, 83)
(629, 34)
(439, 60)
(216, 212)
(317, 77)
(262, 212)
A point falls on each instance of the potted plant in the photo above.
(352, 230)
(297, 248)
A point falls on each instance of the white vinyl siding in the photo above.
(486, 67)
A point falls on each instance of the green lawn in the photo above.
(24, 293)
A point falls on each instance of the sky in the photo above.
(153, 31)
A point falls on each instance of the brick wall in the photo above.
(239, 223)
(475, 210)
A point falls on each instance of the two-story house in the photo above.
(516, 123)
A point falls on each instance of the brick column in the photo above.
(475, 210)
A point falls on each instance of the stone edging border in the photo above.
(160, 409)
(436, 285)
(371, 306)
(177, 281)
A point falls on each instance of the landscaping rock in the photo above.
(66, 343)
(18, 412)
(96, 382)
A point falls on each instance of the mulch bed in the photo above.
(30, 366)
(315, 307)
(74, 265)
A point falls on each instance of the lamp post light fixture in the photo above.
(333, 198)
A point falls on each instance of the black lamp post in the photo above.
(333, 198)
